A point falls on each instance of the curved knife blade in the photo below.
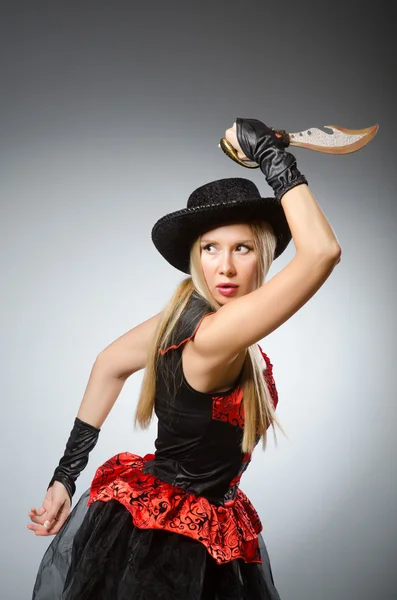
(340, 141)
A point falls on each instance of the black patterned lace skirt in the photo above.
(99, 554)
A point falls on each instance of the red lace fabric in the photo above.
(228, 532)
(268, 373)
(230, 408)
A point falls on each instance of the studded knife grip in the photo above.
(230, 151)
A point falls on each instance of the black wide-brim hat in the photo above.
(217, 203)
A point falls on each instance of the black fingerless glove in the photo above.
(82, 440)
(260, 144)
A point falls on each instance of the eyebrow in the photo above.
(249, 241)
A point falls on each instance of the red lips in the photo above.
(227, 289)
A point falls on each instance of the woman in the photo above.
(175, 524)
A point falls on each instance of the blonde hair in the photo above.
(259, 412)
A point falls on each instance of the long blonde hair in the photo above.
(259, 412)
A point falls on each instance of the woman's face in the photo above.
(229, 261)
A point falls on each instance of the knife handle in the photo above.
(230, 151)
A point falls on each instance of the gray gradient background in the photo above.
(111, 115)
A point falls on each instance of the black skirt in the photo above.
(99, 554)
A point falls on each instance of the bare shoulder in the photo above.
(208, 372)
(128, 353)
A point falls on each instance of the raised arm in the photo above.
(248, 319)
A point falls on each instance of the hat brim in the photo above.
(174, 234)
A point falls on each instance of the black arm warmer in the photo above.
(82, 440)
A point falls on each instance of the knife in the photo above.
(340, 141)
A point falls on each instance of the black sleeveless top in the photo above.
(190, 485)
(198, 445)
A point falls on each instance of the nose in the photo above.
(226, 265)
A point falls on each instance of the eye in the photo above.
(209, 248)
(244, 249)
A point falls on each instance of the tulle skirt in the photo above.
(99, 554)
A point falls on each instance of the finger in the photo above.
(56, 526)
(41, 511)
(35, 517)
(38, 512)
(49, 522)
(232, 139)
(58, 520)
(38, 530)
(38, 520)
(49, 519)
(57, 512)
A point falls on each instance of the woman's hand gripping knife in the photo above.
(50, 517)
(255, 141)
(260, 144)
